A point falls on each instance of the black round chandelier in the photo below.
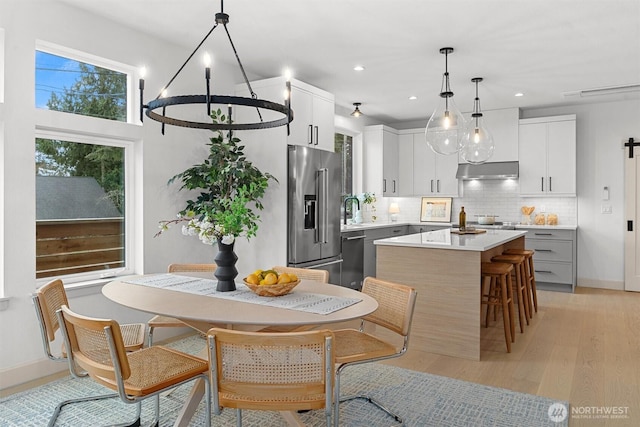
(163, 102)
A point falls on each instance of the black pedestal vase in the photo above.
(226, 271)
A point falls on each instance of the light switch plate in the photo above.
(606, 209)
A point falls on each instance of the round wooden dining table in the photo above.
(203, 312)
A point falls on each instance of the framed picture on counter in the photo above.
(435, 209)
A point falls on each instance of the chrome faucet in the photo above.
(345, 206)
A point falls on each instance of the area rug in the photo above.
(421, 399)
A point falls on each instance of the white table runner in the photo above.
(295, 300)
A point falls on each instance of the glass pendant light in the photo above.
(477, 143)
(446, 126)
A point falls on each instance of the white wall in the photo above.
(601, 130)
(24, 22)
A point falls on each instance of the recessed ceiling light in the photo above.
(413, 97)
(519, 94)
(358, 68)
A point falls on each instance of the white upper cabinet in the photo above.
(503, 125)
(430, 174)
(313, 111)
(381, 161)
(547, 148)
(313, 123)
(405, 164)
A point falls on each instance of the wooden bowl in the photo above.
(276, 290)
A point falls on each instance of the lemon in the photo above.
(270, 279)
(253, 279)
(293, 277)
(265, 273)
(284, 278)
(258, 272)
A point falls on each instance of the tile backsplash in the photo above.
(486, 197)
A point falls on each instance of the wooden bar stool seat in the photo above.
(520, 291)
(530, 275)
(499, 295)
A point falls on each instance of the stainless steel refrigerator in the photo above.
(313, 221)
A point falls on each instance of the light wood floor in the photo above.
(583, 348)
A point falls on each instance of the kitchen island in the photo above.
(444, 267)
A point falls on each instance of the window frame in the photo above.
(129, 206)
(78, 128)
(133, 103)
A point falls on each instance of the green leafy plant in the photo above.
(231, 188)
(370, 199)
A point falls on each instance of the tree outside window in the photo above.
(343, 145)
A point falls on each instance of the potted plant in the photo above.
(230, 189)
(370, 200)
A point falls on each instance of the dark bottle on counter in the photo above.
(462, 219)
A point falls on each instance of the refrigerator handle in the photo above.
(324, 196)
(316, 225)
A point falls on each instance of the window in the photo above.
(344, 146)
(80, 204)
(83, 166)
(72, 86)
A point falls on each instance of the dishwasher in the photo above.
(352, 259)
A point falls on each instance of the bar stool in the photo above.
(518, 285)
(530, 275)
(499, 295)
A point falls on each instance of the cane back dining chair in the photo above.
(159, 321)
(302, 273)
(305, 273)
(287, 371)
(396, 303)
(47, 300)
(96, 346)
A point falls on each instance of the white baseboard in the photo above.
(29, 372)
(601, 284)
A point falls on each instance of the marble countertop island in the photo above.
(445, 269)
(447, 239)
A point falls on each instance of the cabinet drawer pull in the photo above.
(550, 184)
(316, 136)
(432, 186)
(384, 185)
(438, 185)
(394, 185)
(356, 237)
(543, 234)
(310, 135)
(544, 271)
(542, 183)
(544, 250)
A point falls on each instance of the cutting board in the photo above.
(476, 231)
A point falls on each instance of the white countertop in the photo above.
(546, 227)
(444, 239)
(382, 224)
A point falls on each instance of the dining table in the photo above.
(192, 298)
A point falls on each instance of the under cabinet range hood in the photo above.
(489, 170)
